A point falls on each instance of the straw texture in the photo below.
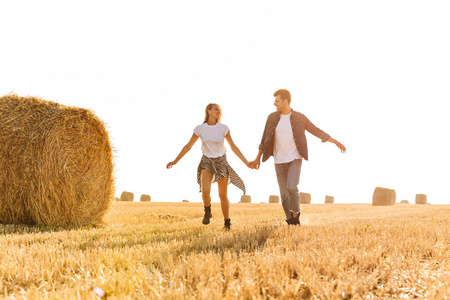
(145, 198)
(421, 199)
(126, 196)
(305, 198)
(383, 197)
(246, 199)
(56, 164)
(274, 199)
(329, 199)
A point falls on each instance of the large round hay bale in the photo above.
(274, 199)
(145, 198)
(383, 197)
(305, 198)
(246, 199)
(329, 199)
(404, 202)
(421, 199)
(56, 164)
(126, 196)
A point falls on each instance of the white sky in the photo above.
(373, 74)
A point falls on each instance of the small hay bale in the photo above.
(329, 199)
(305, 198)
(117, 199)
(274, 199)
(404, 202)
(186, 201)
(56, 164)
(421, 199)
(126, 196)
(383, 197)
(246, 199)
(145, 198)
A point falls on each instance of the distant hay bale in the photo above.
(305, 198)
(421, 199)
(117, 199)
(126, 196)
(274, 199)
(56, 164)
(246, 199)
(329, 199)
(145, 198)
(383, 197)
(404, 202)
(185, 201)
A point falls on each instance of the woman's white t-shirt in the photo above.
(212, 137)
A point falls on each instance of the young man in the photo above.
(284, 138)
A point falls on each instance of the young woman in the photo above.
(213, 166)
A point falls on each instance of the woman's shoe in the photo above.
(227, 224)
(208, 215)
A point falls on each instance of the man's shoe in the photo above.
(294, 220)
(207, 216)
(227, 224)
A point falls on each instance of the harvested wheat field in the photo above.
(162, 251)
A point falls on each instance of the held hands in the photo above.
(250, 165)
(254, 164)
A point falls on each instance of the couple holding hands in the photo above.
(283, 137)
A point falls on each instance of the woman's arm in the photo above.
(185, 150)
(236, 149)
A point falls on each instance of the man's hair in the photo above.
(284, 94)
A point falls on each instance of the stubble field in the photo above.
(162, 251)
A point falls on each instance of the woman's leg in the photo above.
(206, 195)
(206, 187)
(223, 195)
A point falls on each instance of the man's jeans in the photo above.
(288, 175)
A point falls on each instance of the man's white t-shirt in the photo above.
(285, 149)
(212, 137)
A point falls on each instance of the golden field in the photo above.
(162, 251)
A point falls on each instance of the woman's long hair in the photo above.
(209, 107)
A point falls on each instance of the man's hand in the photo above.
(341, 147)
